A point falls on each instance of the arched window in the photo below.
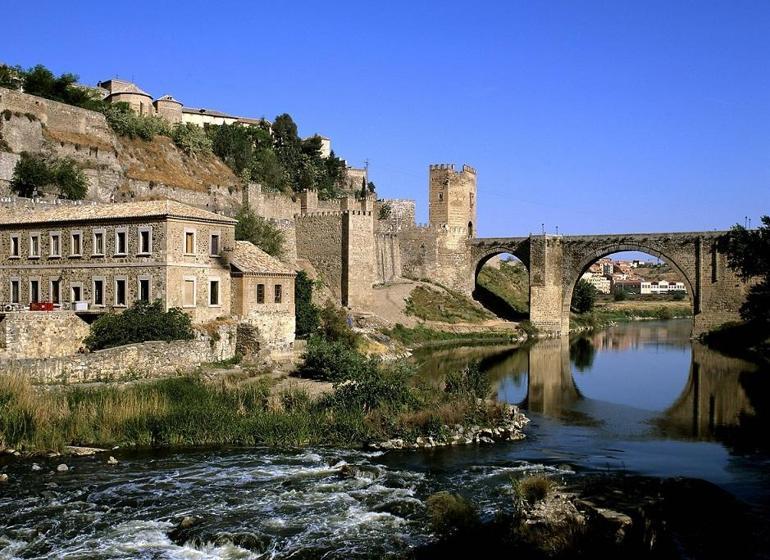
(470, 229)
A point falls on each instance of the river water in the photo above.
(637, 398)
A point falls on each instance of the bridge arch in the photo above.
(503, 308)
(583, 260)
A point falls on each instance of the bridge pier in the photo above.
(546, 287)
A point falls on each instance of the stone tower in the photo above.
(452, 197)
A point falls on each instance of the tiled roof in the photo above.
(168, 98)
(80, 213)
(116, 86)
(247, 257)
(207, 112)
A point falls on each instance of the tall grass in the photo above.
(188, 411)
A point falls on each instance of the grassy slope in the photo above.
(448, 306)
(510, 283)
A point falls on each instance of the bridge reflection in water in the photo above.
(716, 399)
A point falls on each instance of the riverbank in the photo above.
(741, 340)
(380, 405)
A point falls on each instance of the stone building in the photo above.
(122, 91)
(101, 258)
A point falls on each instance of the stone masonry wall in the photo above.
(401, 217)
(143, 360)
(388, 266)
(358, 258)
(40, 333)
(319, 240)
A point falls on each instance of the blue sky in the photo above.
(591, 116)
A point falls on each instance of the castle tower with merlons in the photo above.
(452, 197)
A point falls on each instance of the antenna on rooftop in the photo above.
(542, 227)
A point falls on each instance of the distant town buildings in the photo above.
(602, 284)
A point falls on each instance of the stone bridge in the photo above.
(556, 263)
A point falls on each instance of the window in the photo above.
(189, 242)
(121, 246)
(34, 291)
(189, 292)
(120, 291)
(98, 291)
(76, 291)
(144, 289)
(441, 197)
(34, 245)
(15, 288)
(99, 242)
(214, 244)
(278, 293)
(76, 244)
(145, 241)
(14, 246)
(213, 292)
(55, 242)
(260, 293)
(55, 291)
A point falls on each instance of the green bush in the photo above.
(451, 513)
(191, 139)
(470, 382)
(139, 323)
(34, 172)
(373, 386)
(259, 232)
(327, 360)
(584, 297)
(305, 312)
(125, 122)
(619, 294)
(334, 325)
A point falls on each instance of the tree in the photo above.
(11, 77)
(583, 297)
(364, 190)
(258, 231)
(306, 314)
(34, 172)
(30, 175)
(40, 81)
(747, 252)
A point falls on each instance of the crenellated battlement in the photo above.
(322, 213)
(442, 166)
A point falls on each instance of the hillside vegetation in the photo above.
(444, 305)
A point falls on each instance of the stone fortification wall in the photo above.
(438, 253)
(401, 216)
(40, 333)
(358, 258)
(388, 252)
(144, 360)
(117, 168)
(341, 248)
(319, 240)
(271, 205)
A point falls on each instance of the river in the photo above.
(638, 398)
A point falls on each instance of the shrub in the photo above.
(191, 139)
(125, 122)
(34, 172)
(532, 489)
(470, 382)
(327, 360)
(305, 312)
(142, 322)
(259, 232)
(619, 294)
(334, 325)
(385, 211)
(451, 513)
(375, 387)
(583, 297)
